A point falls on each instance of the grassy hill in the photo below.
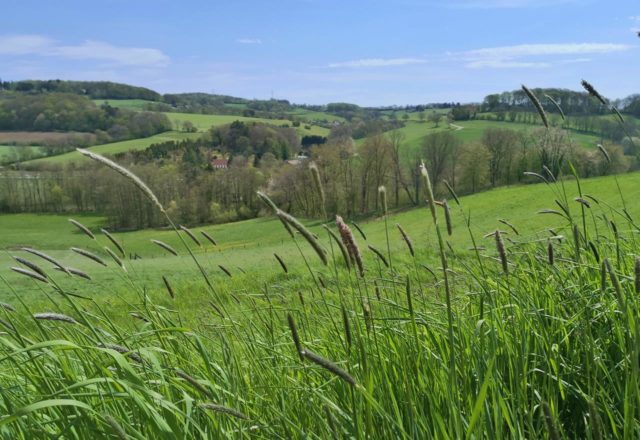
(205, 122)
(250, 244)
(523, 335)
(472, 131)
(202, 123)
(114, 147)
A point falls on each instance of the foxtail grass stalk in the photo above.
(445, 273)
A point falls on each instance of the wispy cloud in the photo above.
(249, 41)
(519, 56)
(506, 4)
(503, 64)
(87, 50)
(377, 62)
(23, 44)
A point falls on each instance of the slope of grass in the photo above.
(205, 122)
(311, 115)
(251, 243)
(504, 343)
(115, 147)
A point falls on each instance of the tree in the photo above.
(434, 117)
(439, 150)
(501, 144)
(421, 116)
(188, 127)
(375, 156)
(474, 164)
(396, 138)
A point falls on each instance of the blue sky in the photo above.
(370, 52)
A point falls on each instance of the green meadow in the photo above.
(526, 332)
(205, 122)
(246, 248)
(115, 147)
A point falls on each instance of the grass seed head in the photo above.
(294, 334)
(406, 239)
(88, 255)
(55, 317)
(82, 228)
(311, 238)
(30, 274)
(501, 251)
(593, 92)
(350, 243)
(34, 267)
(165, 246)
(343, 249)
(328, 365)
(536, 103)
(379, 254)
(191, 235)
(382, 193)
(115, 242)
(209, 237)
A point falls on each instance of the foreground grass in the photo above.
(527, 348)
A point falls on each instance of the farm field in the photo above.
(115, 147)
(311, 115)
(34, 137)
(205, 122)
(415, 131)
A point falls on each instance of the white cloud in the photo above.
(249, 40)
(507, 4)
(512, 56)
(378, 62)
(88, 50)
(23, 44)
(502, 64)
(548, 49)
(126, 56)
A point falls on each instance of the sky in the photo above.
(368, 52)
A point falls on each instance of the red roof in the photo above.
(219, 163)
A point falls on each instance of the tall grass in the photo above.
(526, 339)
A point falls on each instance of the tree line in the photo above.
(92, 89)
(195, 193)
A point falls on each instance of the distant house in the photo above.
(220, 164)
(298, 160)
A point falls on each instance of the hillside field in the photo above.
(464, 338)
(249, 245)
(114, 148)
(205, 122)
